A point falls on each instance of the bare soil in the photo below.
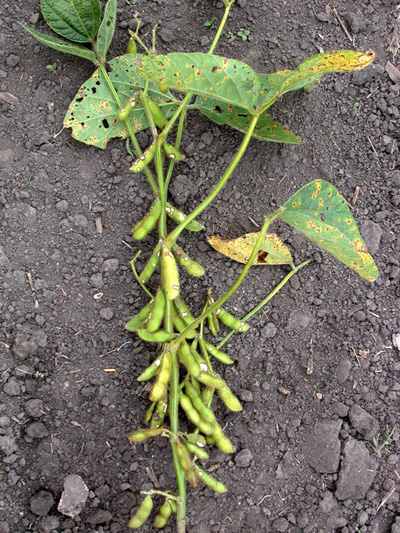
(319, 371)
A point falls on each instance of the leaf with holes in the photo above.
(236, 117)
(227, 80)
(272, 251)
(76, 20)
(92, 111)
(320, 212)
(309, 73)
(106, 30)
(62, 46)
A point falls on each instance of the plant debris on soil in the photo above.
(317, 443)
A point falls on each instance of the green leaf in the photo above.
(309, 73)
(76, 20)
(227, 80)
(63, 46)
(272, 251)
(320, 212)
(106, 31)
(92, 111)
(236, 117)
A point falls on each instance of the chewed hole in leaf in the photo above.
(106, 123)
(323, 217)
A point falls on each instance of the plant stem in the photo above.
(265, 300)
(174, 421)
(220, 29)
(175, 344)
(173, 236)
(132, 135)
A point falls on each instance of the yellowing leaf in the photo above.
(272, 251)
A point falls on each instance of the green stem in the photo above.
(174, 422)
(221, 27)
(265, 300)
(132, 135)
(173, 236)
(175, 344)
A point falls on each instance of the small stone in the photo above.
(106, 313)
(243, 458)
(396, 526)
(357, 472)
(41, 503)
(246, 395)
(62, 206)
(110, 265)
(363, 422)
(12, 387)
(343, 371)
(74, 496)
(8, 445)
(167, 35)
(34, 18)
(28, 340)
(34, 408)
(49, 524)
(280, 524)
(99, 517)
(97, 280)
(4, 527)
(371, 233)
(355, 21)
(372, 73)
(269, 331)
(37, 430)
(322, 449)
(13, 60)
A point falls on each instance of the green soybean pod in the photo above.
(195, 383)
(194, 416)
(157, 313)
(163, 515)
(230, 321)
(210, 440)
(169, 273)
(160, 412)
(144, 226)
(180, 325)
(161, 383)
(151, 265)
(196, 438)
(186, 463)
(143, 434)
(137, 321)
(173, 506)
(186, 358)
(221, 440)
(158, 115)
(210, 481)
(151, 370)
(199, 359)
(207, 395)
(125, 110)
(211, 381)
(212, 324)
(157, 336)
(229, 399)
(192, 267)
(218, 354)
(205, 412)
(172, 152)
(179, 217)
(162, 88)
(142, 514)
(142, 161)
(200, 453)
(149, 413)
(131, 49)
(183, 310)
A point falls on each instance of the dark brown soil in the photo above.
(312, 452)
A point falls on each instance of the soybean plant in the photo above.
(140, 91)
